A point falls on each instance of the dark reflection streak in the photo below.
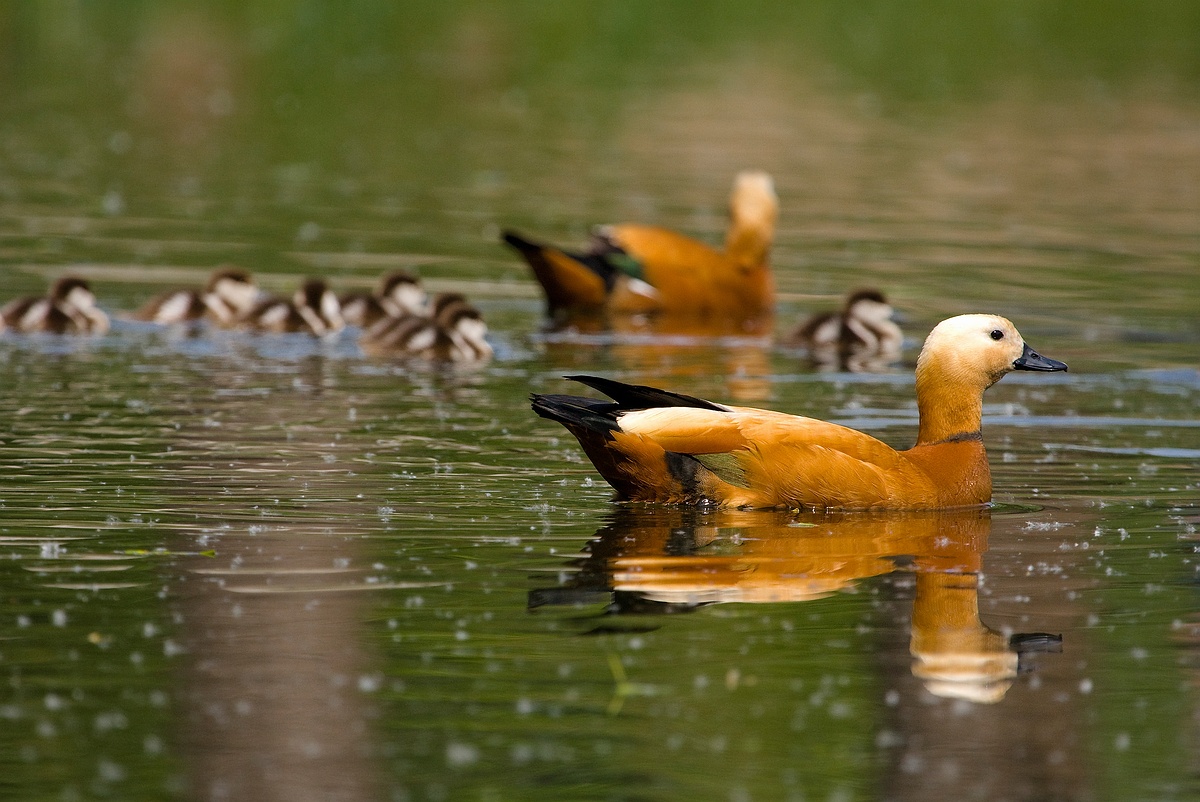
(271, 698)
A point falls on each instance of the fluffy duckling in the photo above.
(398, 293)
(69, 308)
(454, 331)
(229, 293)
(862, 336)
(313, 309)
(638, 269)
(657, 446)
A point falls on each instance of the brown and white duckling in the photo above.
(230, 292)
(862, 336)
(69, 308)
(313, 309)
(454, 331)
(398, 293)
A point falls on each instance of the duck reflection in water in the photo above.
(740, 366)
(663, 560)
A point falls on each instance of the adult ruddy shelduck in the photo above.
(657, 446)
(639, 269)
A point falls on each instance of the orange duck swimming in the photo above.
(658, 446)
(639, 269)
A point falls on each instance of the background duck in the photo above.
(398, 293)
(453, 331)
(657, 446)
(638, 269)
(229, 293)
(69, 308)
(313, 309)
(862, 336)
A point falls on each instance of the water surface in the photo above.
(271, 567)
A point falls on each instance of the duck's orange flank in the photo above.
(656, 446)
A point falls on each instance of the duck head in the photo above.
(962, 357)
(753, 210)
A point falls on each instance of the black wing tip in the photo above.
(517, 241)
(573, 411)
(641, 396)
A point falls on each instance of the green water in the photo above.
(272, 568)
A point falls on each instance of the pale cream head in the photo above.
(406, 297)
(81, 298)
(236, 291)
(753, 209)
(754, 200)
(469, 333)
(871, 311)
(975, 350)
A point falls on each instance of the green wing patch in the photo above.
(724, 466)
(625, 264)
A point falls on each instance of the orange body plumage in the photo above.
(639, 269)
(656, 446)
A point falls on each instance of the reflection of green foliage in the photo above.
(760, 701)
(1140, 739)
(918, 50)
(87, 701)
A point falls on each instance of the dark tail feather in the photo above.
(639, 396)
(595, 261)
(520, 243)
(575, 411)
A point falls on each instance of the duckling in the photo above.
(69, 308)
(230, 292)
(454, 331)
(313, 309)
(463, 325)
(862, 336)
(657, 446)
(398, 293)
(639, 269)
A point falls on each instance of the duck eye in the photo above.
(997, 334)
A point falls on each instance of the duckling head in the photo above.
(73, 297)
(401, 293)
(463, 323)
(235, 287)
(74, 291)
(319, 306)
(446, 305)
(869, 306)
